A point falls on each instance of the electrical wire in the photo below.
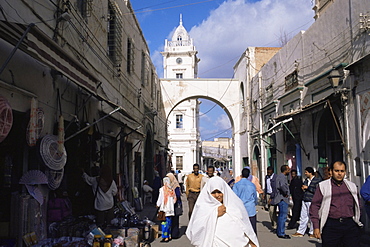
(172, 7)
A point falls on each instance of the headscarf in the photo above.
(168, 191)
(225, 175)
(106, 178)
(174, 183)
(202, 224)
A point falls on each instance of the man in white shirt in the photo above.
(267, 194)
(180, 179)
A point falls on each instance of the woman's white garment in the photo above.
(168, 208)
(103, 201)
(233, 229)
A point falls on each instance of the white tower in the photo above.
(180, 63)
(180, 56)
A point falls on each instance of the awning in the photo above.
(43, 48)
(276, 128)
(357, 62)
(315, 106)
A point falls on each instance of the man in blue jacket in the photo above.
(246, 191)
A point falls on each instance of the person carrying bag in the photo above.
(166, 202)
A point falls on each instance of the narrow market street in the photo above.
(265, 237)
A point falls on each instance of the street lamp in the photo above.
(334, 78)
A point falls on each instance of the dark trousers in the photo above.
(337, 233)
(104, 218)
(175, 226)
(192, 198)
(253, 221)
(182, 187)
(296, 211)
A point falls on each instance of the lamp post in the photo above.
(334, 78)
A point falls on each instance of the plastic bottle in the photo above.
(97, 241)
(108, 241)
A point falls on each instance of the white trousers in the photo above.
(305, 218)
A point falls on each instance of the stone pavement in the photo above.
(265, 237)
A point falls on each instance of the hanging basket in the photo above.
(6, 118)
(54, 178)
(52, 158)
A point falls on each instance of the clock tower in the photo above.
(180, 62)
(180, 56)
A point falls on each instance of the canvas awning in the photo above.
(31, 40)
(276, 127)
(312, 107)
(41, 47)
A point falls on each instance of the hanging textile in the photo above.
(32, 128)
(35, 125)
(61, 134)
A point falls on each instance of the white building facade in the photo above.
(180, 62)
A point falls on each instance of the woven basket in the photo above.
(6, 118)
(52, 158)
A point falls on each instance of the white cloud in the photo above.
(237, 24)
(222, 122)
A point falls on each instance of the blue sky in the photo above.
(221, 30)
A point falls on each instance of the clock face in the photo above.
(178, 60)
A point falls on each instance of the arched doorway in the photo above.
(149, 158)
(271, 152)
(256, 163)
(329, 140)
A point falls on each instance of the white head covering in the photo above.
(202, 225)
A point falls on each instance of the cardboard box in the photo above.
(155, 231)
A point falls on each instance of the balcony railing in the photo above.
(179, 43)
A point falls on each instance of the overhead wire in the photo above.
(171, 7)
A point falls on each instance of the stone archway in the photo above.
(256, 163)
(224, 92)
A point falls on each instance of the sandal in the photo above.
(165, 240)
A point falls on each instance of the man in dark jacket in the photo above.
(309, 188)
(296, 192)
(280, 197)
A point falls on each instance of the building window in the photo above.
(114, 33)
(179, 123)
(179, 75)
(84, 6)
(179, 162)
(269, 93)
(254, 109)
(291, 81)
(143, 69)
(130, 56)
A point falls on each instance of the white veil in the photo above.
(202, 224)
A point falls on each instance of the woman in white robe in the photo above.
(166, 201)
(220, 219)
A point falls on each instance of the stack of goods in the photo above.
(70, 227)
(62, 242)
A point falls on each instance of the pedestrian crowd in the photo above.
(222, 210)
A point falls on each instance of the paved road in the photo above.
(265, 237)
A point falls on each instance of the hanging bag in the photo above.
(161, 216)
(178, 209)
